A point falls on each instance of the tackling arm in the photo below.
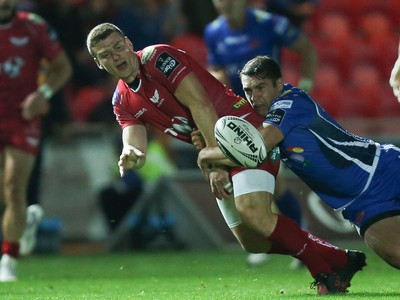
(271, 135)
(213, 155)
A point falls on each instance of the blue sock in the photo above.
(289, 206)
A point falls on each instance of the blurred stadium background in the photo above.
(357, 43)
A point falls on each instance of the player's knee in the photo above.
(253, 206)
(389, 253)
(384, 241)
(393, 256)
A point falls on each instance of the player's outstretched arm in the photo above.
(133, 155)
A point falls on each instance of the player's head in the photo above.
(262, 82)
(8, 9)
(100, 33)
(262, 67)
(231, 9)
(113, 51)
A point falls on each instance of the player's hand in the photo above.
(394, 80)
(197, 139)
(209, 157)
(35, 104)
(306, 84)
(204, 163)
(220, 183)
(130, 158)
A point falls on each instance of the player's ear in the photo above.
(280, 82)
(98, 64)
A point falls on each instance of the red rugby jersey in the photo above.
(151, 99)
(24, 43)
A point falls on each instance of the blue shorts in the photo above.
(382, 199)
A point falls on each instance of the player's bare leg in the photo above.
(284, 236)
(17, 167)
(384, 238)
(248, 213)
(255, 210)
(250, 240)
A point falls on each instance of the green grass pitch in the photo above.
(182, 275)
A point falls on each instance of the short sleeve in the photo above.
(289, 113)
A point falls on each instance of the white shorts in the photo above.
(245, 182)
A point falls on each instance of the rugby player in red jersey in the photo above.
(26, 42)
(165, 87)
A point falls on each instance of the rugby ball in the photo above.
(240, 141)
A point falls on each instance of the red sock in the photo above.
(334, 256)
(288, 238)
(10, 248)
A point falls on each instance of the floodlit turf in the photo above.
(181, 276)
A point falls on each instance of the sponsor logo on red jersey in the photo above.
(166, 63)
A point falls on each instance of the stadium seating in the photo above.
(357, 43)
(84, 102)
(331, 92)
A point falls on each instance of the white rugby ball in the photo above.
(240, 141)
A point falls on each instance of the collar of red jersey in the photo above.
(135, 84)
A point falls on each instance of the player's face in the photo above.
(261, 92)
(115, 54)
(7, 10)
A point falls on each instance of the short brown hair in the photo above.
(262, 67)
(99, 33)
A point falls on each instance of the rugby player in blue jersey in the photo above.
(241, 33)
(352, 174)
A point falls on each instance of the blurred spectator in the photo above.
(297, 11)
(241, 33)
(27, 42)
(59, 15)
